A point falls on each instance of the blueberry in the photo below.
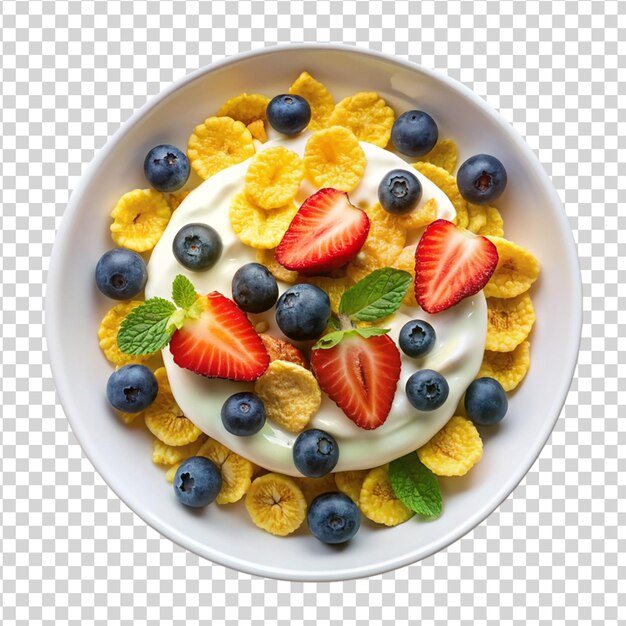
(197, 482)
(485, 401)
(254, 288)
(166, 168)
(121, 274)
(481, 179)
(417, 338)
(243, 414)
(288, 114)
(132, 388)
(427, 390)
(197, 247)
(414, 133)
(315, 453)
(303, 312)
(399, 191)
(333, 518)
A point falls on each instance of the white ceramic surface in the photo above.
(533, 217)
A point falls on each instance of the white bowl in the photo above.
(533, 217)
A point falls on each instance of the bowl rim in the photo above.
(53, 318)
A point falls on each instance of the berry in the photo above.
(326, 233)
(132, 388)
(302, 312)
(485, 401)
(360, 375)
(481, 179)
(451, 264)
(219, 343)
(417, 338)
(243, 414)
(333, 518)
(315, 453)
(399, 192)
(197, 247)
(121, 274)
(197, 482)
(254, 288)
(414, 133)
(427, 390)
(166, 168)
(288, 114)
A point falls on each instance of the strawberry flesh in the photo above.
(451, 264)
(360, 375)
(326, 233)
(221, 343)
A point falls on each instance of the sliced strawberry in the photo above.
(360, 375)
(326, 233)
(221, 343)
(451, 264)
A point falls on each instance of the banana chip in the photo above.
(246, 108)
(378, 502)
(509, 322)
(162, 454)
(236, 471)
(281, 350)
(419, 218)
(217, 144)
(176, 198)
(508, 368)
(267, 258)
(313, 487)
(107, 333)
(477, 217)
(443, 155)
(454, 450)
(257, 130)
(516, 271)
(290, 394)
(139, 219)
(319, 98)
(333, 157)
(171, 472)
(164, 418)
(351, 483)
(273, 178)
(406, 261)
(334, 287)
(367, 115)
(276, 504)
(256, 227)
(494, 225)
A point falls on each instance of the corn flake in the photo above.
(176, 198)
(516, 271)
(378, 502)
(319, 98)
(257, 130)
(246, 108)
(406, 262)
(281, 350)
(419, 218)
(350, 483)
(313, 487)
(334, 287)
(443, 155)
(508, 368)
(267, 258)
(477, 217)
(107, 333)
(494, 225)
(509, 322)
(162, 454)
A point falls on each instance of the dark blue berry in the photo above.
(303, 312)
(485, 401)
(166, 168)
(427, 390)
(121, 274)
(481, 179)
(414, 133)
(288, 114)
(197, 247)
(132, 388)
(243, 414)
(417, 338)
(254, 288)
(399, 191)
(333, 518)
(197, 482)
(315, 453)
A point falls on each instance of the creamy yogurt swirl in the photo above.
(457, 353)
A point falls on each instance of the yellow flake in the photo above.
(351, 483)
(334, 287)
(162, 454)
(246, 108)
(257, 130)
(509, 322)
(176, 198)
(313, 487)
(494, 225)
(281, 350)
(378, 502)
(516, 271)
(267, 258)
(477, 215)
(419, 218)
(319, 98)
(171, 472)
(508, 368)
(443, 155)
(406, 262)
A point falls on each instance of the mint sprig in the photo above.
(183, 292)
(330, 340)
(415, 486)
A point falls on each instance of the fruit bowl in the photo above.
(533, 216)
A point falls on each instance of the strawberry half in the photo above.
(220, 343)
(360, 375)
(451, 264)
(326, 233)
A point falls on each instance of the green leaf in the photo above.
(145, 329)
(330, 340)
(334, 323)
(379, 294)
(415, 485)
(183, 292)
(371, 332)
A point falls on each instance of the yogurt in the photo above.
(457, 353)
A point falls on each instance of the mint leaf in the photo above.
(415, 485)
(183, 292)
(330, 340)
(145, 328)
(371, 332)
(379, 294)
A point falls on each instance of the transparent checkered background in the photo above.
(72, 553)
